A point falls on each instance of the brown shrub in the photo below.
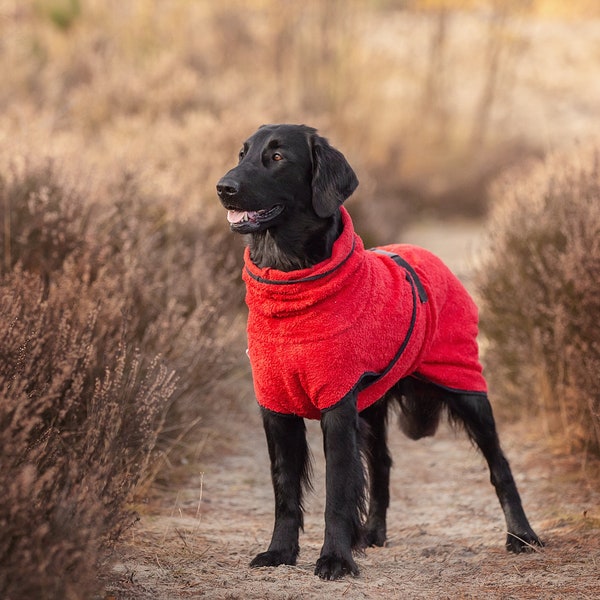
(74, 443)
(107, 328)
(539, 286)
(161, 272)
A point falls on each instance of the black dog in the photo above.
(286, 195)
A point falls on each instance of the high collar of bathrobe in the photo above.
(275, 293)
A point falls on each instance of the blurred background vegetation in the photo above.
(119, 281)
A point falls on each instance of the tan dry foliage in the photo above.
(107, 341)
(539, 286)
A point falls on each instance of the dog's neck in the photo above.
(302, 246)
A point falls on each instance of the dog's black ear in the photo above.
(333, 179)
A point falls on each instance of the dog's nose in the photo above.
(227, 188)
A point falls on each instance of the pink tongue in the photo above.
(235, 216)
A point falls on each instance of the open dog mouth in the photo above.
(252, 220)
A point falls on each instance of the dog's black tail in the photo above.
(421, 405)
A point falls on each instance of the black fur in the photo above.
(312, 179)
(293, 183)
(290, 470)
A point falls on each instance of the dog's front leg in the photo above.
(290, 467)
(345, 489)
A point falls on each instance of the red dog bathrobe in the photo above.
(360, 320)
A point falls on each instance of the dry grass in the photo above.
(171, 88)
(538, 283)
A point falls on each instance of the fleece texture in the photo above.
(358, 321)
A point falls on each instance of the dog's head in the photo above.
(284, 170)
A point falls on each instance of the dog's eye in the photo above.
(277, 156)
(241, 154)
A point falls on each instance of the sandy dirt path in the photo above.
(445, 526)
(446, 531)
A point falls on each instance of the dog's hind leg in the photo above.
(475, 412)
(290, 469)
(379, 463)
(345, 490)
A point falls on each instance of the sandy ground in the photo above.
(445, 526)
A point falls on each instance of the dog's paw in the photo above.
(333, 567)
(524, 541)
(273, 558)
(374, 534)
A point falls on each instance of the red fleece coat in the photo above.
(358, 321)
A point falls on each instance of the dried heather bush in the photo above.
(107, 328)
(161, 272)
(539, 287)
(74, 444)
(42, 220)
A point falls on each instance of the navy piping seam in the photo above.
(378, 376)
(420, 377)
(398, 355)
(304, 279)
(408, 267)
(279, 414)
